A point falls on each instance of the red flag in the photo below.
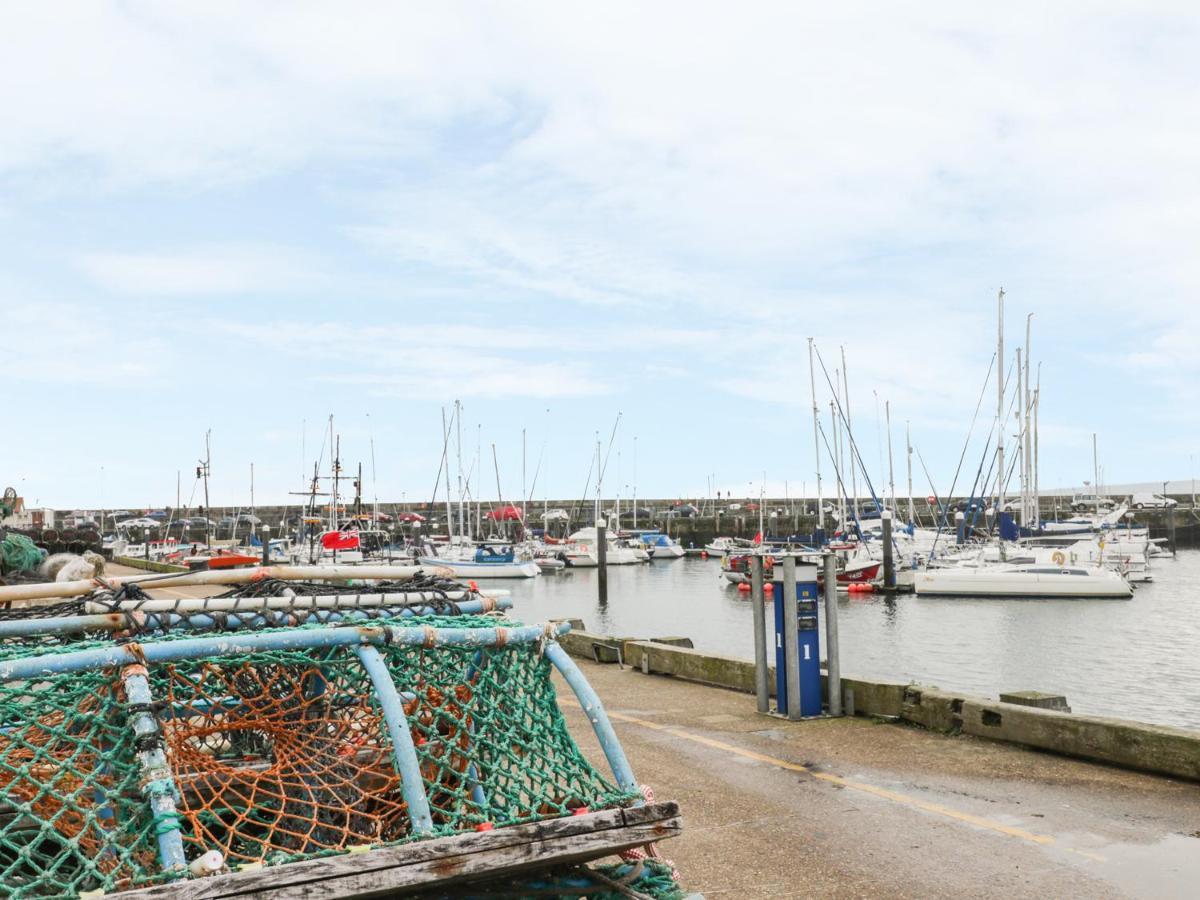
(758, 538)
(340, 540)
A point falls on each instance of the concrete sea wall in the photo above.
(1159, 749)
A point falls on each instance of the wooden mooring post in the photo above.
(602, 559)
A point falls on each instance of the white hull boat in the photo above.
(1022, 581)
(469, 569)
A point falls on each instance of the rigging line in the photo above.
(932, 487)
(849, 435)
(441, 466)
(607, 453)
(967, 443)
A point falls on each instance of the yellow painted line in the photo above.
(894, 796)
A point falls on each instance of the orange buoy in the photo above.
(769, 588)
(704, 554)
(742, 586)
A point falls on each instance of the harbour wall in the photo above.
(690, 532)
(1163, 750)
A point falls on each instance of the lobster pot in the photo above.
(126, 765)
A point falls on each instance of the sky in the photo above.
(245, 218)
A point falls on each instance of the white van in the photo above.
(1151, 501)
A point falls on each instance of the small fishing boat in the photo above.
(662, 546)
(721, 546)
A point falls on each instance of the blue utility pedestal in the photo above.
(808, 641)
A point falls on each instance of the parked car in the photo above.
(1151, 501)
(247, 519)
(158, 514)
(1085, 502)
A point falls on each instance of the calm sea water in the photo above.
(1137, 659)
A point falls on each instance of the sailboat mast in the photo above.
(1021, 435)
(849, 435)
(837, 458)
(252, 528)
(887, 414)
(1000, 411)
(449, 507)
(912, 511)
(462, 521)
(1029, 512)
(522, 477)
(635, 481)
(1037, 493)
(812, 384)
(599, 482)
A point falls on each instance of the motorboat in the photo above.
(583, 551)
(662, 546)
(721, 546)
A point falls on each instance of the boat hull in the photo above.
(463, 569)
(977, 583)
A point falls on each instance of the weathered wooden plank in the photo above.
(424, 864)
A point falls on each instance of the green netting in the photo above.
(277, 756)
(19, 554)
(72, 817)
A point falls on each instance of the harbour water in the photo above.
(1136, 659)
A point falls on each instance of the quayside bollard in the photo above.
(889, 563)
(832, 659)
(761, 688)
(791, 637)
(602, 559)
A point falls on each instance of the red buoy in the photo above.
(743, 587)
(769, 588)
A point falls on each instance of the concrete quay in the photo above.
(853, 807)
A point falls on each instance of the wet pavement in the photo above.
(856, 808)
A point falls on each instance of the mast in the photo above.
(837, 459)
(912, 512)
(522, 477)
(337, 471)
(374, 487)
(1029, 512)
(887, 412)
(252, 526)
(1021, 437)
(449, 505)
(1096, 470)
(462, 522)
(849, 435)
(203, 472)
(1000, 413)
(599, 483)
(812, 384)
(635, 482)
(1037, 493)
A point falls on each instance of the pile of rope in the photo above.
(19, 554)
(275, 756)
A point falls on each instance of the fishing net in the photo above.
(275, 755)
(19, 554)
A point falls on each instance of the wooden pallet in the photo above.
(432, 864)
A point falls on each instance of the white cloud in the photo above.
(203, 271)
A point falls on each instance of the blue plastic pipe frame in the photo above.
(199, 620)
(594, 710)
(237, 644)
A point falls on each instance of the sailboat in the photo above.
(1019, 571)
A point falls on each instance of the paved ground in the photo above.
(854, 808)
